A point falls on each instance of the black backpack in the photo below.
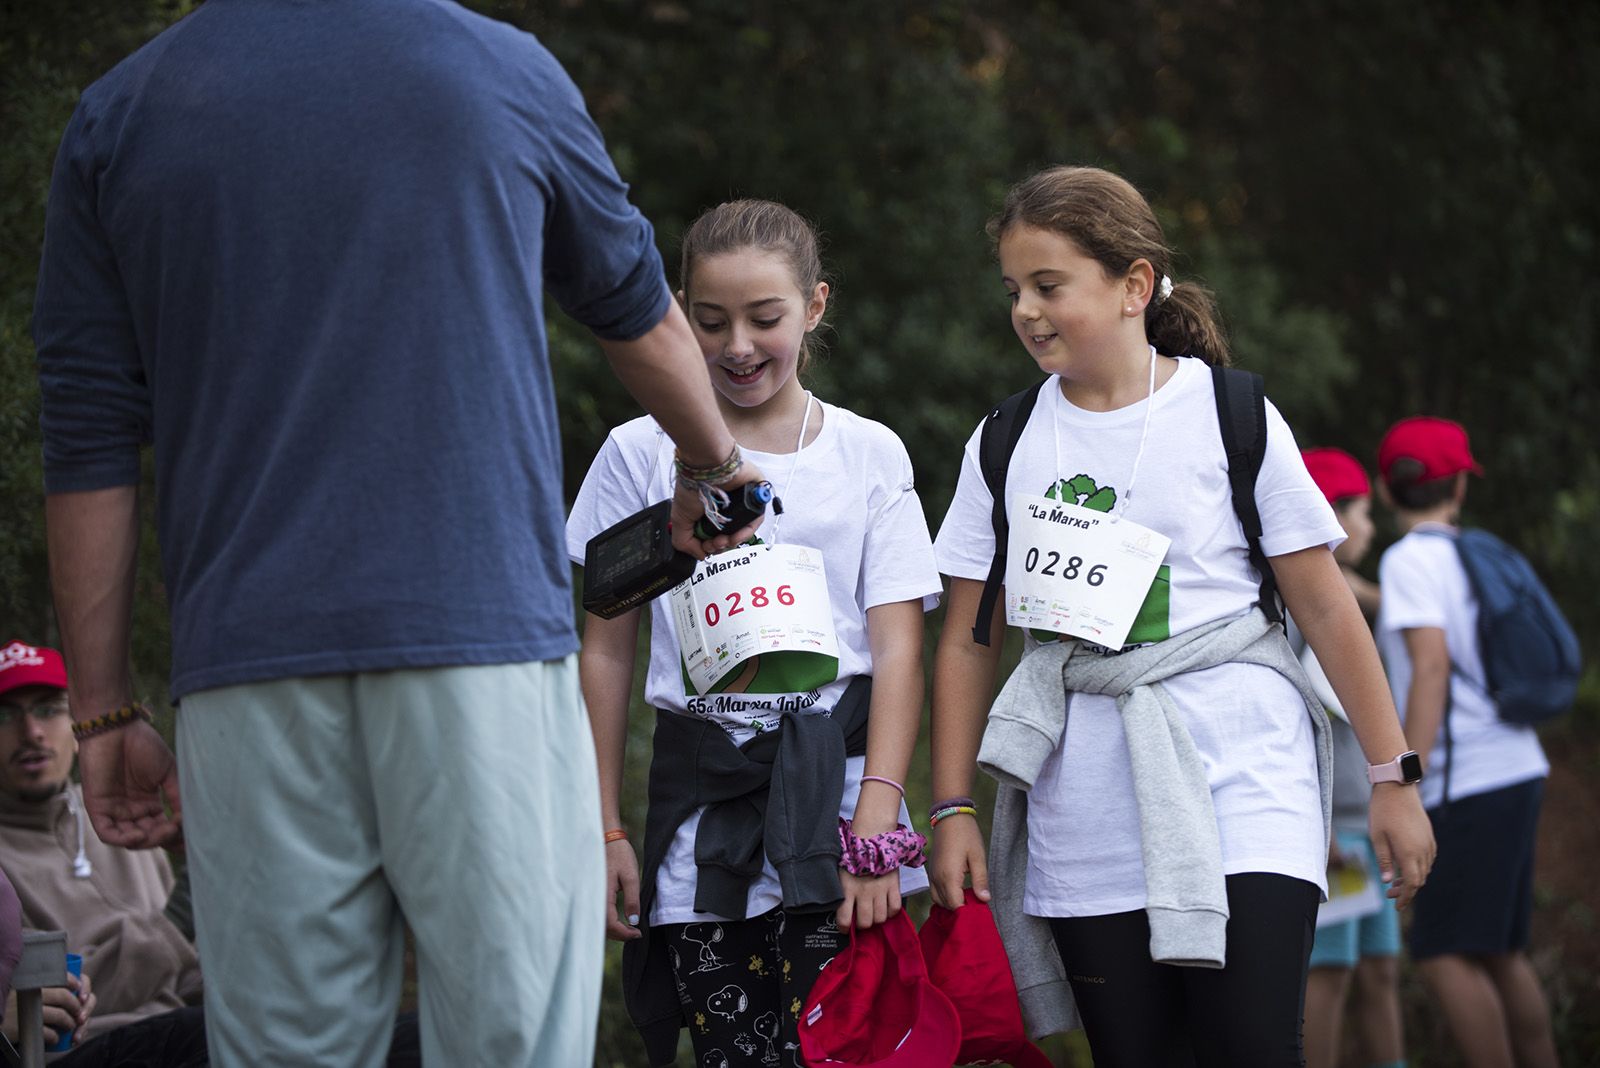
(1242, 418)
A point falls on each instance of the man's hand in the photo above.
(687, 508)
(66, 1008)
(130, 780)
(957, 853)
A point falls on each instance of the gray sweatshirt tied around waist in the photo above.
(1186, 898)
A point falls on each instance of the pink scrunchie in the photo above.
(882, 853)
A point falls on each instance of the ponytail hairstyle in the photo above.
(1106, 217)
(762, 224)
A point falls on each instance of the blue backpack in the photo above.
(1530, 654)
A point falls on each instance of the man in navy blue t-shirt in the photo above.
(301, 249)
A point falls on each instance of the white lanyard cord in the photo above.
(1144, 434)
(788, 481)
(1138, 457)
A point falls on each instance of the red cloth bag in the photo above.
(966, 960)
(873, 1006)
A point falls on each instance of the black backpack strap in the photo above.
(1242, 416)
(1001, 432)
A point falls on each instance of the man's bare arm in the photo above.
(129, 776)
(667, 375)
(94, 542)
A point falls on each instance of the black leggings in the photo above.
(742, 984)
(1146, 1015)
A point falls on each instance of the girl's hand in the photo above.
(868, 899)
(622, 874)
(1403, 839)
(957, 853)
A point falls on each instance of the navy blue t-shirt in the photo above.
(302, 248)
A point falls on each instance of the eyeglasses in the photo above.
(54, 708)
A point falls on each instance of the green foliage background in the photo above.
(1394, 203)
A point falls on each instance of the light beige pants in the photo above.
(320, 813)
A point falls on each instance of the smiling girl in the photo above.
(1204, 707)
(735, 913)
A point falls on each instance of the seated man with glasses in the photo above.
(111, 902)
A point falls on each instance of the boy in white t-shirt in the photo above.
(1485, 777)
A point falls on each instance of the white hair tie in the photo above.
(1164, 290)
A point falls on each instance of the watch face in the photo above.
(1410, 768)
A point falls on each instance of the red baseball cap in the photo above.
(1439, 445)
(873, 1006)
(967, 961)
(1337, 474)
(22, 664)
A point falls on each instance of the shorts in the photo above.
(1342, 945)
(1478, 899)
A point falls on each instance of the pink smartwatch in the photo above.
(1404, 769)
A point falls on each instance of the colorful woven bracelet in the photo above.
(110, 721)
(616, 834)
(882, 853)
(693, 478)
(953, 810)
(951, 802)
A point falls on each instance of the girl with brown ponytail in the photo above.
(1160, 833)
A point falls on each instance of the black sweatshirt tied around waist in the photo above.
(777, 796)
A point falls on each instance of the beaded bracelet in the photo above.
(953, 810)
(616, 834)
(110, 721)
(951, 802)
(882, 853)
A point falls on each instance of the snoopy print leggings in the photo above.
(742, 983)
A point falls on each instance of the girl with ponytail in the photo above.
(1160, 833)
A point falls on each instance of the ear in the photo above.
(1138, 286)
(1382, 488)
(816, 306)
(683, 301)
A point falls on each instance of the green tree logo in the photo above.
(1081, 490)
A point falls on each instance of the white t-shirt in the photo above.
(1424, 585)
(851, 496)
(1248, 722)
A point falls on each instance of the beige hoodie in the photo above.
(108, 900)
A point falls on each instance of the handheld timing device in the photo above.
(633, 562)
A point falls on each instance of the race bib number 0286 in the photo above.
(751, 600)
(1076, 571)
